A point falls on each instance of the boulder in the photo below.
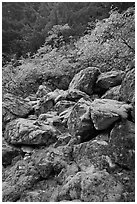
(79, 121)
(14, 107)
(24, 131)
(50, 118)
(122, 141)
(18, 178)
(85, 80)
(54, 94)
(71, 95)
(127, 90)
(104, 112)
(9, 153)
(91, 186)
(75, 95)
(107, 80)
(112, 93)
(41, 192)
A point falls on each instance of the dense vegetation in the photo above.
(25, 25)
(109, 45)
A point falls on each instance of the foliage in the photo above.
(25, 25)
(110, 45)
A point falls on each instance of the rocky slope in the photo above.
(72, 145)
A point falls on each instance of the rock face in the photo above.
(107, 80)
(79, 121)
(23, 131)
(14, 107)
(85, 80)
(112, 93)
(104, 112)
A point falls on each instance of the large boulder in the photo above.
(112, 93)
(14, 107)
(107, 80)
(85, 80)
(18, 178)
(79, 121)
(122, 141)
(127, 90)
(91, 186)
(104, 112)
(30, 132)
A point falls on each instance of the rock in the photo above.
(43, 106)
(9, 153)
(127, 90)
(41, 192)
(107, 80)
(58, 80)
(104, 112)
(113, 153)
(91, 186)
(49, 118)
(63, 105)
(33, 103)
(122, 141)
(24, 131)
(14, 107)
(32, 97)
(32, 196)
(32, 117)
(71, 95)
(49, 114)
(42, 91)
(49, 162)
(75, 95)
(54, 94)
(18, 178)
(133, 110)
(27, 149)
(79, 121)
(65, 115)
(92, 153)
(63, 140)
(45, 168)
(85, 80)
(113, 93)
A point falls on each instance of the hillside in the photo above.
(68, 112)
